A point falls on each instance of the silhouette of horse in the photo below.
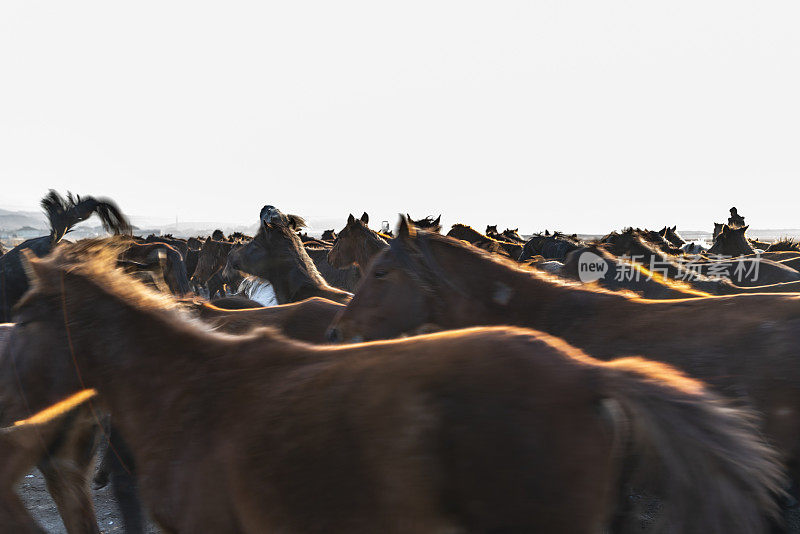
(731, 242)
(62, 215)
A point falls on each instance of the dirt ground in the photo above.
(34, 494)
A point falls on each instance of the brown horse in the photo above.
(747, 346)
(356, 244)
(439, 433)
(64, 451)
(62, 443)
(277, 255)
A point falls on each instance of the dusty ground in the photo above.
(34, 494)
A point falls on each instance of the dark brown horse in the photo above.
(731, 242)
(470, 235)
(787, 243)
(277, 255)
(212, 258)
(671, 235)
(428, 223)
(345, 278)
(439, 433)
(553, 246)
(356, 244)
(181, 245)
(172, 267)
(746, 346)
(62, 214)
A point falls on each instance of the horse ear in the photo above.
(365, 218)
(438, 219)
(675, 228)
(408, 217)
(744, 228)
(406, 229)
(351, 219)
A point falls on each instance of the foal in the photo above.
(482, 430)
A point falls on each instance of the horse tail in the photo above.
(64, 213)
(112, 218)
(702, 456)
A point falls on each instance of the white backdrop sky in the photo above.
(581, 115)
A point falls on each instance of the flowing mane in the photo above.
(496, 267)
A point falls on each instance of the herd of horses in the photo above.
(417, 382)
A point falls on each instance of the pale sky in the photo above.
(581, 115)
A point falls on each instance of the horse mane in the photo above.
(305, 261)
(513, 268)
(64, 213)
(428, 223)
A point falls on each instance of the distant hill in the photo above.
(12, 220)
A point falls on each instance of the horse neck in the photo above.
(517, 297)
(221, 257)
(371, 244)
(297, 278)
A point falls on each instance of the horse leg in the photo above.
(14, 517)
(67, 472)
(103, 471)
(123, 483)
(17, 459)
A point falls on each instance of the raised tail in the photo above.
(702, 457)
(64, 213)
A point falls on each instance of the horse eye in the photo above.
(380, 273)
